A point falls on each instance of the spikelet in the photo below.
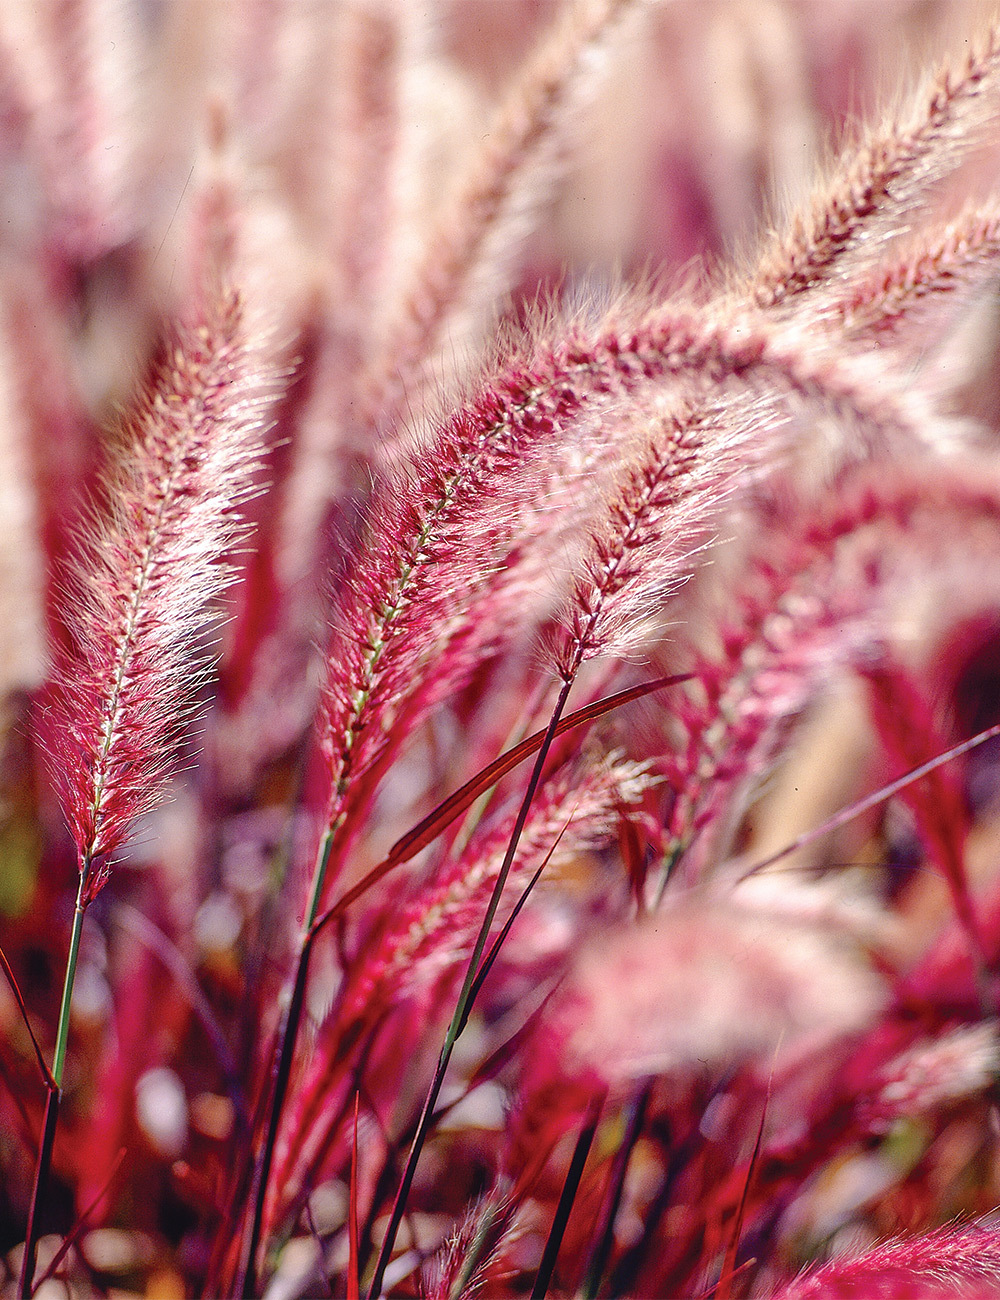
(786, 630)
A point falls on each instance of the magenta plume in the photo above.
(962, 254)
(935, 1266)
(149, 570)
(932, 1073)
(436, 545)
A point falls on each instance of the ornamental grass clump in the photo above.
(500, 665)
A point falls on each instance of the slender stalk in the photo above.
(498, 942)
(44, 1070)
(353, 1280)
(568, 1195)
(465, 998)
(62, 1030)
(54, 1098)
(636, 1117)
(724, 1286)
(319, 880)
(38, 1192)
(281, 1070)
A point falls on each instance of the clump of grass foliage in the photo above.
(498, 790)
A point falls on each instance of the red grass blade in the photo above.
(724, 1286)
(82, 1222)
(435, 822)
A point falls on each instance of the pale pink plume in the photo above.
(932, 1073)
(436, 538)
(883, 179)
(151, 568)
(702, 985)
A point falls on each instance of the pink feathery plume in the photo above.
(80, 89)
(471, 1258)
(437, 537)
(951, 1264)
(884, 178)
(150, 568)
(785, 630)
(808, 604)
(702, 983)
(471, 249)
(663, 506)
(962, 254)
(929, 1075)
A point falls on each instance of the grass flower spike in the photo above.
(147, 581)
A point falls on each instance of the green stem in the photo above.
(319, 880)
(62, 1031)
(44, 1162)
